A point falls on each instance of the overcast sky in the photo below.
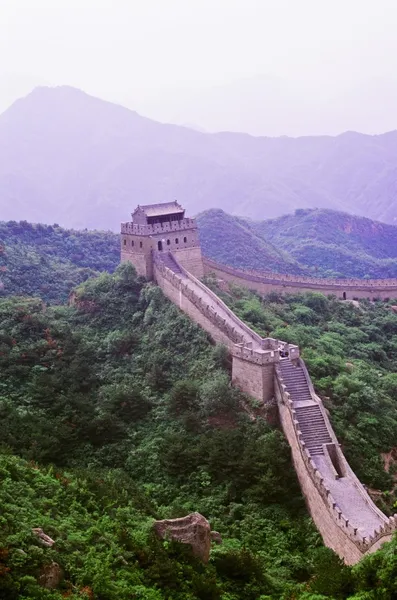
(157, 55)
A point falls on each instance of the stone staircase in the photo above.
(314, 429)
(308, 413)
(295, 380)
(168, 260)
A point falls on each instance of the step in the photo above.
(312, 426)
(317, 437)
(312, 429)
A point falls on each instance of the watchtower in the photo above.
(161, 228)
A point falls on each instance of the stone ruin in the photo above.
(193, 529)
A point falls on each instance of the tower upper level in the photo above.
(150, 219)
(152, 214)
(160, 228)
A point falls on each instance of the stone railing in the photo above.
(134, 228)
(343, 521)
(249, 344)
(265, 343)
(261, 357)
(299, 281)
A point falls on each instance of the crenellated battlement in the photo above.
(271, 277)
(166, 227)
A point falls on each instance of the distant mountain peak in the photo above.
(71, 158)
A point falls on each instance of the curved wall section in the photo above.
(346, 289)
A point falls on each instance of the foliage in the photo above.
(48, 261)
(117, 410)
(316, 242)
(121, 413)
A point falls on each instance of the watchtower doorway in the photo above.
(344, 295)
(160, 246)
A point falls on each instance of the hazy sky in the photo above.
(158, 55)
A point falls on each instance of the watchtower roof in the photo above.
(160, 210)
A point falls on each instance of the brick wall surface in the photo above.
(140, 261)
(191, 260)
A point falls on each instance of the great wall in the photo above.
(268, 370)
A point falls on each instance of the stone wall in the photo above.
(191, 304)
(142, 262)
(256, 380)
(332, 534)
(264, 283)
(191, 260)
(336, 528)
(252, 368)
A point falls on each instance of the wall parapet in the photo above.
(370, 285)
(248, 345)
(363, 543)
(136, 229)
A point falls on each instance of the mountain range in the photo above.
(73, 159)
(320, 242)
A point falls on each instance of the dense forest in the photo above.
(48, 261)
(117, 410)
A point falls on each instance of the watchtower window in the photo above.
(185, 240)
(176, 241)
(168, 242)
(132, 243)
(344, 295)
(160, 245)
(125, 242)
(140, 244)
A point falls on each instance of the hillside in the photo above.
(47, 261)
(69, 158)
(122, 412)
(117, 411)
(320, 242)
(336, 242)
(232, 241)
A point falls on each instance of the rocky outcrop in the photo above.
(193, 529)
(43, 537)
(51, 576)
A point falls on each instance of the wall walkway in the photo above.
(265, 368)
(268, 282)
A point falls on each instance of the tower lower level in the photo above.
(161, 228)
